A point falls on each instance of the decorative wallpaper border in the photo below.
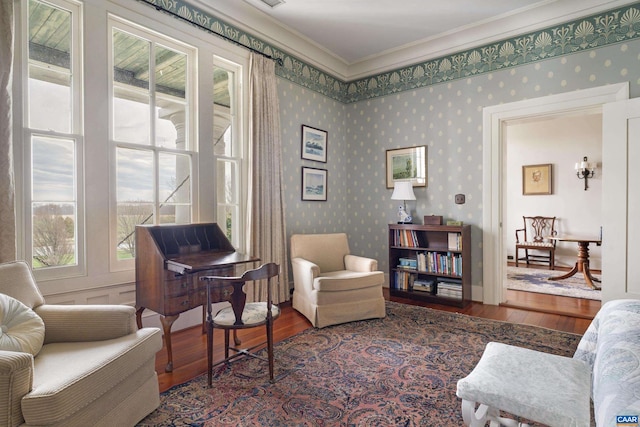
(587, 33)
(583, 34)
(292, 68)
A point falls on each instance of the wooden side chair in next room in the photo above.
(240, 315)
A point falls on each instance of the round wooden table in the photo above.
(582, 264)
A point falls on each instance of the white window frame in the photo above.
(94, 280)
(238, 157)
(23, 160)
(191, 144)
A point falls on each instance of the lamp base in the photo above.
(403, 222)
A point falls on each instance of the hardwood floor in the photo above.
(552, 304)
(189, 345)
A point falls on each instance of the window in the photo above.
(110, 140)
(151, 133)
(53, 138)
(227, 148)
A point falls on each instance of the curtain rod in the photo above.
(209, 30)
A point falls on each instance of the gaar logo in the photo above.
(627, 420)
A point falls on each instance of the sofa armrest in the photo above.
(360, 264)
(16, 380)
(77, 323)
(304, 272)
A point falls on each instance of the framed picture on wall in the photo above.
(314, 144)
(536, 179)
(314, 184)
(407, 164)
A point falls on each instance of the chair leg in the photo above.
(226, 343)
(517, 250)
(270, 348)
(209, 351)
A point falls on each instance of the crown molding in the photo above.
(503, 27)
(248, 18)
(559, 37)
(254, 21)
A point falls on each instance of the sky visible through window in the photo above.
(53, 159)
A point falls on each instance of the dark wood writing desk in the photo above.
(170, 259)
(582, 264)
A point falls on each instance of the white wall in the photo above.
(561, 141)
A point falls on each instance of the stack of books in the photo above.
(450, 289)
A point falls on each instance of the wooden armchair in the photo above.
(534, 237)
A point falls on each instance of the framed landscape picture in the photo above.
(314, 144)
(407, 164)
(536, 179)
(314, 184)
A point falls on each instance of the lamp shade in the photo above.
(403, 190)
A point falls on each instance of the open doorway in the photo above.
(551, 146)
(495, 169)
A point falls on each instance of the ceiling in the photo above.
(357, 29)
(354, 38)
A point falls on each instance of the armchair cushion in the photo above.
(347, 280)
(21, 329)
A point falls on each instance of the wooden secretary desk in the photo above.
(170, 259)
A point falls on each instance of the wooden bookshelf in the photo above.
(430, 263)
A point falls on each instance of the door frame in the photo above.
(494, 156)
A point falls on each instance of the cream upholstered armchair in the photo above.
(331, 286)
(71, 365)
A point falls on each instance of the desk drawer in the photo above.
(177, 287)
(177, 305)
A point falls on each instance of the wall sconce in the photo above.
(585, 170)
(403, 190)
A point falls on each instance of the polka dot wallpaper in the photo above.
(447, 118)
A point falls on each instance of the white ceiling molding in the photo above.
(549, 13)
(244, 16)
(504, 27)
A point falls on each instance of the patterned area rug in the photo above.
(535, 280)
(398, 371)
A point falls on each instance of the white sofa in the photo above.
(331, 286)
(557, 390)
(88, 365)
(611, 349)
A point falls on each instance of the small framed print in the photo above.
(536, 179)
(407, 164)
(314, 184)
(314, 144)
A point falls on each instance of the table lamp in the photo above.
(403, 190)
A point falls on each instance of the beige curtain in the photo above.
(7, 189)
(267, 234)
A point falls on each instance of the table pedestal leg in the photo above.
(582, 265)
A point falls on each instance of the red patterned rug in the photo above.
(397, 371)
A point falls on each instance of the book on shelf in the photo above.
(408, 263)
(440, 262)
(407, 238)
(404, 280)
(454, 241)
